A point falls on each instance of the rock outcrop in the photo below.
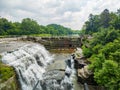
(83, 73)
(55, 70)
(8, 78)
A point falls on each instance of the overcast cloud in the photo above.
(70, 13)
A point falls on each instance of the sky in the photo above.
(69, 13)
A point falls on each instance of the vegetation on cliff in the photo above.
(103, 50)
(8, 79)
(5, 72)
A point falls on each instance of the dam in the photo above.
(56, 42)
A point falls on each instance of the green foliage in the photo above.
(96, 48)
(41, 35)
(104, 20)
(5, 25)
(109, 74)
(59, 30)
(87, 52)
(29, 27)
(5, 72)
(77, 32)
(101, 53)
(105, 61)
(104, 48)
(111, 47)
(115, 56)
(96, 61)
(111, 35)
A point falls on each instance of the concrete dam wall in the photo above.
(56, 42)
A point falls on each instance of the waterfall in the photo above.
(30, 62)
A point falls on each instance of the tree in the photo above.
(29, 26)
(104, 48)
(118, 12)
(95, 22)
(59, 30)
(5, 25)
(105, 18)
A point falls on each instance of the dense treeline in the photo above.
(105, 20)
(29, 26)
(103, 50)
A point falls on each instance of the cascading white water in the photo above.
(50, 81)
(29, 62)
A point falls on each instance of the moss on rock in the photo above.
(5, 72)
(8, 79)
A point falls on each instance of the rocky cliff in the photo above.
(84, 75)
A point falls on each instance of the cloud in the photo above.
(70, 13)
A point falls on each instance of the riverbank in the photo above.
(84, 75)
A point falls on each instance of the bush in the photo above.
(5, 72)
(109, 74)
(87, 52)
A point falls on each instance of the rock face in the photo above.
(8, 78)
(57, 65)
(83, 73)
(56, 71)
(10, 84)
(8, 81)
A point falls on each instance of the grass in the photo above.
(36, 35)
(2, 36)
(5, 72)
(41, 35)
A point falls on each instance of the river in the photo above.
(38, 69)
